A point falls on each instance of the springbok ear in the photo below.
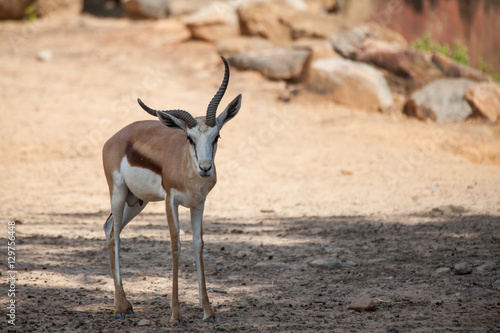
(171, 121)
(229, 112)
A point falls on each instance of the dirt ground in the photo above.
(389, 199)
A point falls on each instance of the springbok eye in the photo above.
(190, 140)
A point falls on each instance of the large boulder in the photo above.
(351, 42)
(242, 44)
(264, 19)
(441, 100)
(185, 7)
(350, 83)
(313, 25)
(451, 68)
(14, 9)
(66, 7)
(213, 22)
(411, 69)
(484, 99)
(146, 8)
(275, 64)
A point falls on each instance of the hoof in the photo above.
(122, 315)
(210, 320)
(175, 322)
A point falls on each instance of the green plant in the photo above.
(459, 52)
(483, 67)
(30, 13)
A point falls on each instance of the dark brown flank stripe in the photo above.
(136, 159)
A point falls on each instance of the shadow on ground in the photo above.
(262, 277)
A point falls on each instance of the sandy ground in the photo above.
(392, 198)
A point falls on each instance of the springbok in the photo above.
(171, 160)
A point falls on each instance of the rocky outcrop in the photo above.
(451, 68)
(242, 44)
(275, 64)
(413, 69)
(66, 7)
(214, 22)
(351, 42)
(264, 19)
(350, 83)
(442, 101)
(484, 99)
(14, 10)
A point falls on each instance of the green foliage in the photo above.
(458, 53)
(30, 13)
(483, 67)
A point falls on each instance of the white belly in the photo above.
(144, 183)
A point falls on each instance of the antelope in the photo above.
(172, 160)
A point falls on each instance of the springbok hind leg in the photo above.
(123, 213)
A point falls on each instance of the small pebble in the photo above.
(462, 268)
(44, 55)
(489, 266)
(144, 322)
(347, 172)
(442, 270)
(496, 285)
(362, 303)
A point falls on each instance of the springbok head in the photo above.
(202, 133)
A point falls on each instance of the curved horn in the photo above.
(214, 103)
(180, 114)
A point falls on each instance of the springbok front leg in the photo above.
(196, 225)
(175, 245)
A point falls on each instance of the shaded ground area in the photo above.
(260, 275)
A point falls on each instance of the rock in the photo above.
(484, 99)
(242, 254)
(347, 172)
(486, 267)
(310, 25)
(325, 6)
(442, 270)
(213, 22)
(67, 7)
(264, 19)
(275, 64)
(351, 42)
(411, 69)
(184, 7)
(496, 284)
(321, 263)
(451, 68)
(318, 48)
(462, 268)
(44, 55)
(441, 100)
(242, 44)
(350, 83)
(14, 10)
(144, 322)
(363, 303)
(145, 8)
(272, 265)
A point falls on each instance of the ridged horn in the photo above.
(180, 114)
(214, 103)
